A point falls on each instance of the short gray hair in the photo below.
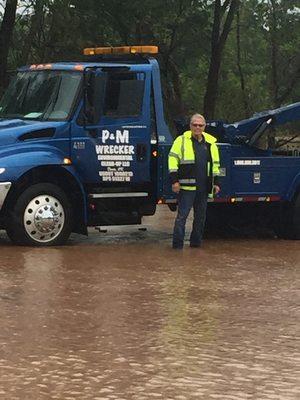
(194, 116)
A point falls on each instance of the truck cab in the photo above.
(82, 144)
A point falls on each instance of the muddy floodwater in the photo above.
(120, 315)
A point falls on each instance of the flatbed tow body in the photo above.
(249, 174)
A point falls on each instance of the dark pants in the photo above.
(186, 200)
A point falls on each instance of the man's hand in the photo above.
(176, 187)
(216, 189)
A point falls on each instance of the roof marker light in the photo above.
(91, 51)
(78, 67)
(40, 66)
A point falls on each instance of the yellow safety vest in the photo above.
(182, 162)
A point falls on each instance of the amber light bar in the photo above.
(92, 51)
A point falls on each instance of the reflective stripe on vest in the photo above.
(187, 181)
(187, 162)
(171, 154)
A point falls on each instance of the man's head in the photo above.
(197, 125)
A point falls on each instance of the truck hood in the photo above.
(12, 129)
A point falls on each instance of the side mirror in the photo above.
(93, 95)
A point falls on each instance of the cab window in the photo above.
(124, 94)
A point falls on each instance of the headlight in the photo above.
(2, 170)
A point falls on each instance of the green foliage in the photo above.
(51, 30)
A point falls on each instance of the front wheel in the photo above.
(41, 216)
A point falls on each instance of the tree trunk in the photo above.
(211, 94)
(274, 55)
(239, 65)
(36, 22)
(274, 75)
(176, 102)
(6, 31)
(287, 91)
(218, 40)
(279, 93)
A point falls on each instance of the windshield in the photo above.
(41, 95)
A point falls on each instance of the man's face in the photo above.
(197, 126)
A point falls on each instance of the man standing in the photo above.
(194, 167)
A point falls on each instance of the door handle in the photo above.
(141, 152)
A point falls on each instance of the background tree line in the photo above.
(226, 58)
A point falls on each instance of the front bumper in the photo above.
(4, 188)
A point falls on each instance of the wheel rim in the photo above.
(44, 218)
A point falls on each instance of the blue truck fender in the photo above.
(17, 160)
(39, 159)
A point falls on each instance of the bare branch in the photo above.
(284, 142)
(225, 5)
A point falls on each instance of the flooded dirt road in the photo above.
(123, 316)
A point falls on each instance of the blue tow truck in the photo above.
(86, 144)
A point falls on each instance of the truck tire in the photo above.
(288, 224)
(41, 216)
(296, 217)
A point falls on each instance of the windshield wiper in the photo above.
(51, 104)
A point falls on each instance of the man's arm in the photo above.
(216, 169)
(174, 162)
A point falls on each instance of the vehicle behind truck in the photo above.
(86, 144)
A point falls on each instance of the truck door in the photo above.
(115, 151)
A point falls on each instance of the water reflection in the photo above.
(126, 318)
